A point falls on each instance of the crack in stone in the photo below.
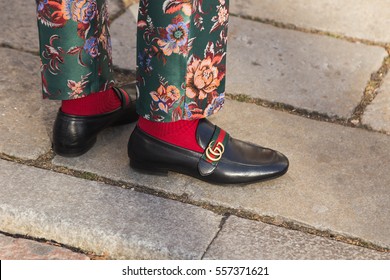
(221, 224)
(90, 255)
(291, 26)
(283, 107)
(10, 46)
(312, 115)
(371, 91)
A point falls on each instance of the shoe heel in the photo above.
(148, 168)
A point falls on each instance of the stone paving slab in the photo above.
(338, 179)
(123, 38)
(312, 72)
(19, 24)
(128, 3)
(114, 7)
(245, 239)
(24, 249)
(116, 222)
(24, 116)
(365, 19)
(377, 114)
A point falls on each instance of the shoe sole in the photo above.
(71, 151)
(154, 169)
(149, 168)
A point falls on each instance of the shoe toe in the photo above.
(246, 163)
(279, 165)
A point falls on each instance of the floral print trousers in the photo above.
(181, 54)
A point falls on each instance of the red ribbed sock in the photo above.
(180, 133)
(93, 104)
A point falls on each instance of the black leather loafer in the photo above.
(225, 160)
(75, 135)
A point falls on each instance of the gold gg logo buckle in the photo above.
(216, 153)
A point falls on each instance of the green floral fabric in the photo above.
(181, 54)
(75, 48)
(181, 58)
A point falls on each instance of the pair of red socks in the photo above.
(180, 133)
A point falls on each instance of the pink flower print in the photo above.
(202, 78)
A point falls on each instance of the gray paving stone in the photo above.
(366, 19)
(123, 38)
(24, 249)
(338, 178)
(128, 3)
(244, 239)
(114, 7)
(307, 71)
(377, 114)
(24, 117)
(119, 223)
(19, 25)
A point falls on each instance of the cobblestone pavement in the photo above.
(309, 79)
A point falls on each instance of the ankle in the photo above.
(180, 133)
(93, 104)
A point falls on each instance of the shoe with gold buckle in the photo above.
(225, 160)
